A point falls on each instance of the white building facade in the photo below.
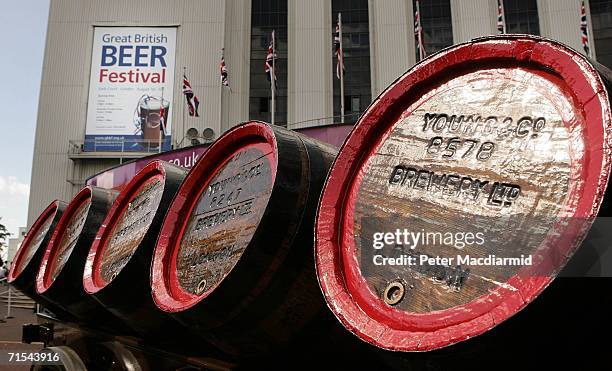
(379, 42)
(14, 244)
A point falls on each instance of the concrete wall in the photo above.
(392, 48)
(235, 100)
(310, 94)
(473, 18)
(14, 244)
(560, 20)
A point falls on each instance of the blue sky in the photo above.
(23, 26)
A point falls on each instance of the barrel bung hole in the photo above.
(201, 287)
(394, 293)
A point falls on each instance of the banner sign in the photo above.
(131, 89)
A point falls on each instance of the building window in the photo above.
(266, 16)
(355, 104)
(437, 25)
(522, 16)
(356, 44)
(601, 19)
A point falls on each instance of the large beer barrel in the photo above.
(462, 191)
(60, 277)
(22, 274)
(117, 271)
(234, 258)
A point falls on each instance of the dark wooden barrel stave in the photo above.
(117, 271)
(247, 283)
(60, 277)
(533, 190)
(22, 274)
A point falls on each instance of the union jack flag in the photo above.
(418, 32)
(338, 49)
(224, 74)
(162, 114)
(584, 29)
(192, 100)
(501, 18)
(269, 67)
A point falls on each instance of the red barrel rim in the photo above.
(18, 264)
(92, 279)
(43, 278)
(349, 298)
(166, 289)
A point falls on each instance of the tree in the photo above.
(4, 235)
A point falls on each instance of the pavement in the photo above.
(10, 333)
(10, 328)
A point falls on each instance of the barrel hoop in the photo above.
(33, 238)
(49, 262)
(92, 278)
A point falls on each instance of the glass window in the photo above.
(356, 45)
(522, 16)
(437, 25)
(355, 104)
(601, 19)
(266, 16)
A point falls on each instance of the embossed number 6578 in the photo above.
(457, 147)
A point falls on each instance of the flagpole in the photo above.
(221, 79)
(184, 108)
(341, 70)
(273, 77)
(161, 121)
(584, 30)
(420, 33)
(221, 90)
(503, 15)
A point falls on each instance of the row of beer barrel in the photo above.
(506, 138)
